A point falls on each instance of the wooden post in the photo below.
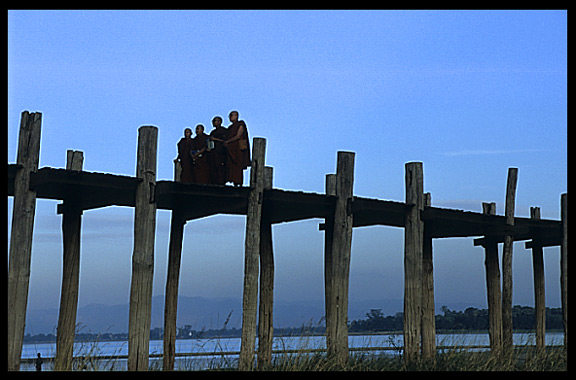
(74, 160)
(413, 256)
(21, 234)
(251, 255)
(340, 266)
(266, 304)
(539, 295)
(177, 223)
(507, 342)
(177, 171)
(493, 286)
(428, 315)
(328, 232)
(564, 265)
(143, 255)
(71, 233)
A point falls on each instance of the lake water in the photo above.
(223, 345)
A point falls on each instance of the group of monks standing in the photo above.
(217, 158)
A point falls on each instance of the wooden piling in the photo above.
(21, 235)
(177, 223)
(251, 255)
(564, 264)
(493, 286)
(328, 232)
(507, 342)
(266, 304)
(337, 317)
(71, 233)
(143, 255)
(413, 257)
(428, 314)
(539, 295)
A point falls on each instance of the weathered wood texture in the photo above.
(341, 209)
(71, 233)
(507, 342)
(493, 287)
(20, 252)
(143, 254)
(337, 327)
(564, 264)
(177, 223)
(252, 256)
(413, 256)
(266, 304)
(74, 160)
(328, 233)
(539, 295)
(428, 314)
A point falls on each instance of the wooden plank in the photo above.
(493, 292)
(20, 252)
(12, 170)
(71, 230)
(143, 254)
(507, 325)
(413, 247)
(539, 296)
(369, 212)
(428, 314)
(266, 304)
(288, 206)
(251, 255)
(564, 264)
(102, 189)
(196, 201)
(341, 249)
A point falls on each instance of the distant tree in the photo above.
(471, 319)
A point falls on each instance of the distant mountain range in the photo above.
(203, 313)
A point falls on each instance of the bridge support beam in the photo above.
(21, 234)
(413, 257)
(71, 235)
(143, 255)
(265, 311)
(337, 260)
(252, 256)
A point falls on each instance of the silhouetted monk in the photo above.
(238, 147)
(201, 167)
(184, 157)
(39, 362)
(217, 157)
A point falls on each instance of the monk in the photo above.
(217, 157)
(238, 147)
(184, 157)
(199, 147)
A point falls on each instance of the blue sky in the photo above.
(469, 93)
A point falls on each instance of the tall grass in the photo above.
(457, 359)
(308, 357)
(453, 358)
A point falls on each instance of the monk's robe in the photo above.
(217, 157)
(238, 153)
(184, 148)
(201, 167)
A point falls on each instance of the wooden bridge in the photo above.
(264, 206)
